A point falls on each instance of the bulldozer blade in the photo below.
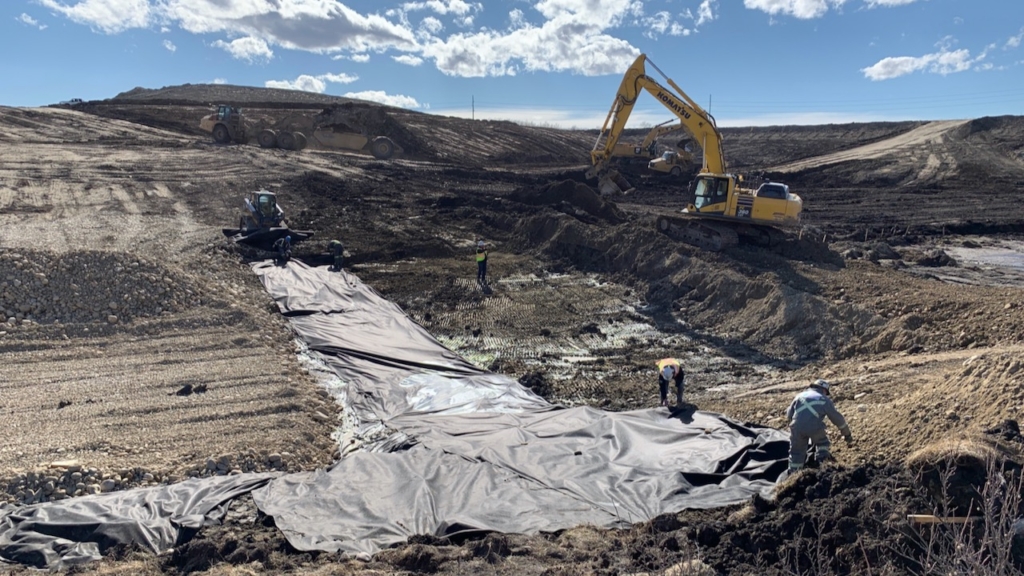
(264, 239)
(229, 232)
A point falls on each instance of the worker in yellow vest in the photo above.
(481, 263)
(669, 369)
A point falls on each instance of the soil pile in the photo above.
(573, 198)
(44, 288)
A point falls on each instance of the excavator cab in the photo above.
(711, 193)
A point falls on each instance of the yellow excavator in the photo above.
(648, 149)
(720, 210)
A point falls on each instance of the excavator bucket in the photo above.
(613, 184)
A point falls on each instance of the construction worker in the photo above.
(481, 263)
(806, 417)
(669, 369)
(284, 249)
(337, 250)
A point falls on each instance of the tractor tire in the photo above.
(286, 140)
(267, 139)
(677, 171)
(221, 135)
(301, 141)
(382, 148)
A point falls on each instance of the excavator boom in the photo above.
(699, 123)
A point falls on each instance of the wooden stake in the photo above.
(932, 519)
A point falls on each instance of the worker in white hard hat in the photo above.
(669, 370)
(481, 263)
(806, 417)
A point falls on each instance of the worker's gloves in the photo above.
(848, 437)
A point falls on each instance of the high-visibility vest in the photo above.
(481, 255)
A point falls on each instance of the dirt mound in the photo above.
(43, 288)
(573, 198)
(211, 94)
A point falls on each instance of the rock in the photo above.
(859, 395)
(274, 458)
(689, 568)
(107, 485)
(111, 319)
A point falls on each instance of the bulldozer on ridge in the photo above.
(332, 128)
(228, 124)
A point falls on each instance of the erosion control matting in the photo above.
(462, 451)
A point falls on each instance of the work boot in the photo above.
(664, 402)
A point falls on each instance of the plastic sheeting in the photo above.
(66, 532)
(479, 453)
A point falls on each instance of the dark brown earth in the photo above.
(877, 292)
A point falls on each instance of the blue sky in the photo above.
(546, 62)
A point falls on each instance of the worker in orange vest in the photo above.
(669, 369)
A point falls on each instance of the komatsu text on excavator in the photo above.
(720, 210)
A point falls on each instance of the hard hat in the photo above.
(821, 383)
(667, 372)
(480, 244)
(288, 238)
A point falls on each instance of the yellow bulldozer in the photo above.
(331, 129)
(720, 209)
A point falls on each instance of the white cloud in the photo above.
(26, 19)
(311, 25)
(110, 16)
(804, 9)
(1014, 41)
(516, 19)
(958, 20)
(571, 40)
(431, 25)
(219, 81)
(943, 62)
(572, 37)
(678, 29)
(656, 24)
(382, 97)
(304, 82)
(705, 12)
(308, 83)
(248, 48)
(342, 78)
(457, 7)
(170, 45)
(408, 59)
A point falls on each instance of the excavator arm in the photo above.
(693, 118)
(660, 130)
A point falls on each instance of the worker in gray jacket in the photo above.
(806, 417)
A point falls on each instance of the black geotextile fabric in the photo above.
(477, 452)
(77, 530)
(488, 455)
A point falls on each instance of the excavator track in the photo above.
(713, 237)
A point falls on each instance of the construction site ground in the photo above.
(140, 349)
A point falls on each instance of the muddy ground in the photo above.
(904, 289)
